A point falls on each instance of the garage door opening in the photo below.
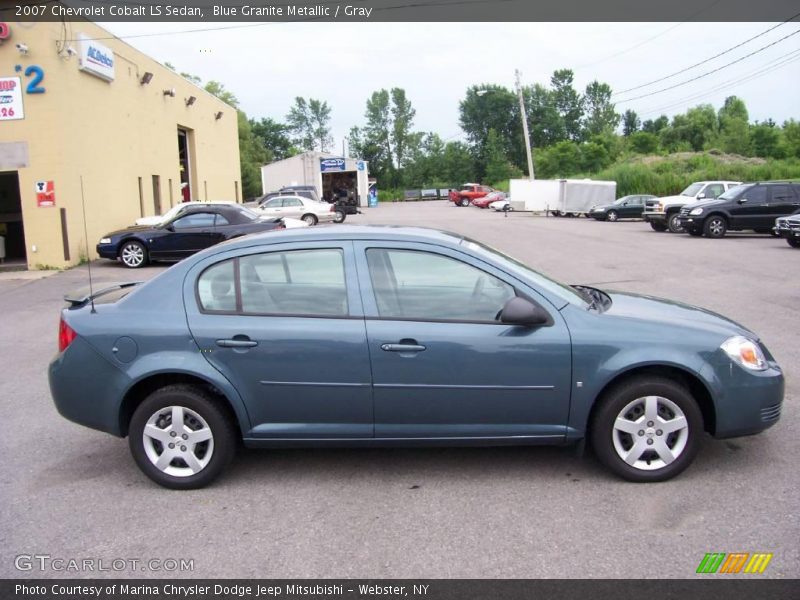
(185, 161)
(341, 187)
(12, 243)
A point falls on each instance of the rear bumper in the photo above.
(86, 388)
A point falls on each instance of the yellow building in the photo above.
(84, 115)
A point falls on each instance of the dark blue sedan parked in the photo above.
(382, 336)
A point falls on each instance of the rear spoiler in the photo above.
(83, 295)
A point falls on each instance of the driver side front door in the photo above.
(443, 366)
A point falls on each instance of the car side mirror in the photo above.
(700, 196)
(170, 228)
(519, 311)
(742, 200)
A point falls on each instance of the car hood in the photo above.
(131, 229)
(603, 207)
(674, 199)
(705, 203)
(650, 308)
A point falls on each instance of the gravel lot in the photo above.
(70, 492)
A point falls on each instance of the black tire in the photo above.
(695, 232)
(658, 226)
(614, 404)
(222, 445)
(672, 223)
(793, 242)
(612, 216)
(464, 202)
(310, 219)
(340, 216)
(133, 254)
(715, 226)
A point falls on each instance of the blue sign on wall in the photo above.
(331, 164)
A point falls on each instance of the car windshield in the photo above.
(563, 291)
(692, 190)
(734, 192)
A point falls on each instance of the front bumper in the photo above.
(654, 217)
(746, 402)
(786, 232)
(107, 251)
(690, 222)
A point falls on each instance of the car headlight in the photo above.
(745, 352)
(105, 240)
(696, 211)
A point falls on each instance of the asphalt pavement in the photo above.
(72, 493)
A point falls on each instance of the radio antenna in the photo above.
(88, 258)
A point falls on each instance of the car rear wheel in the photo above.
(133, 255)
(310, 219)
(612, 216)
(715, 227)
(180, 438)
(793, 242)
(340, 216)
(647, 429)
(658, 226)
(674, 224)
(464, 202)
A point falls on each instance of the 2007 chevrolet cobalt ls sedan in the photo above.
(387, 336)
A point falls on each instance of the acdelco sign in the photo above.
(96, 59)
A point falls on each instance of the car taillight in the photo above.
(66, 335)
(333, 208)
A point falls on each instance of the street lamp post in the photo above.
(517, 75)
(524, 116)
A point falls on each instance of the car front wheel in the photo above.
(647, 429)
(674, 224)
(715, 227)
(180, 438)
(133, 255)
(793, 242)
(656, 226)
(612, 216)
(464, 202)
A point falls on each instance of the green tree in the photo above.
(767, 140)
(217, 89)
(487, 107)
(644, 142)
(252, 155)
(594, 157)
(402, 120)
(544, 122)
(734, 129)
(791, 137)
(560, 160)
(630, 123)
(601, 115)
(274, 138)
(498, 167)
(458, 164)
(568, 102)
(309, 121)
(655, 126)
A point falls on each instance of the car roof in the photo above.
(347, 232)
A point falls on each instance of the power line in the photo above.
(707, 73)
(724, 52)
(765, 69)
(648, 40)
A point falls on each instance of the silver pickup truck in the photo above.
(662, 213)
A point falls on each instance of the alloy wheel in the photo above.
(132, 255)
(178, 441)
(612, 215)
(650, 433)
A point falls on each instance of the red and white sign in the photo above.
(45, 194)
(11, 99)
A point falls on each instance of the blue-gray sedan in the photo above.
(359, 336)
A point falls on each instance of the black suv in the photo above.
(749, 206)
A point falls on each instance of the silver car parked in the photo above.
(299, 208)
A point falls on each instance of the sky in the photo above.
(267, 66)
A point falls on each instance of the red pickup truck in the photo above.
(468, 193)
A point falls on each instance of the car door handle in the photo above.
(237, 342)
(402, 347)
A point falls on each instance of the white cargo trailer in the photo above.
(562, 196)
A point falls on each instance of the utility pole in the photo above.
(518, 75)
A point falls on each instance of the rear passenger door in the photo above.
(285, 326)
